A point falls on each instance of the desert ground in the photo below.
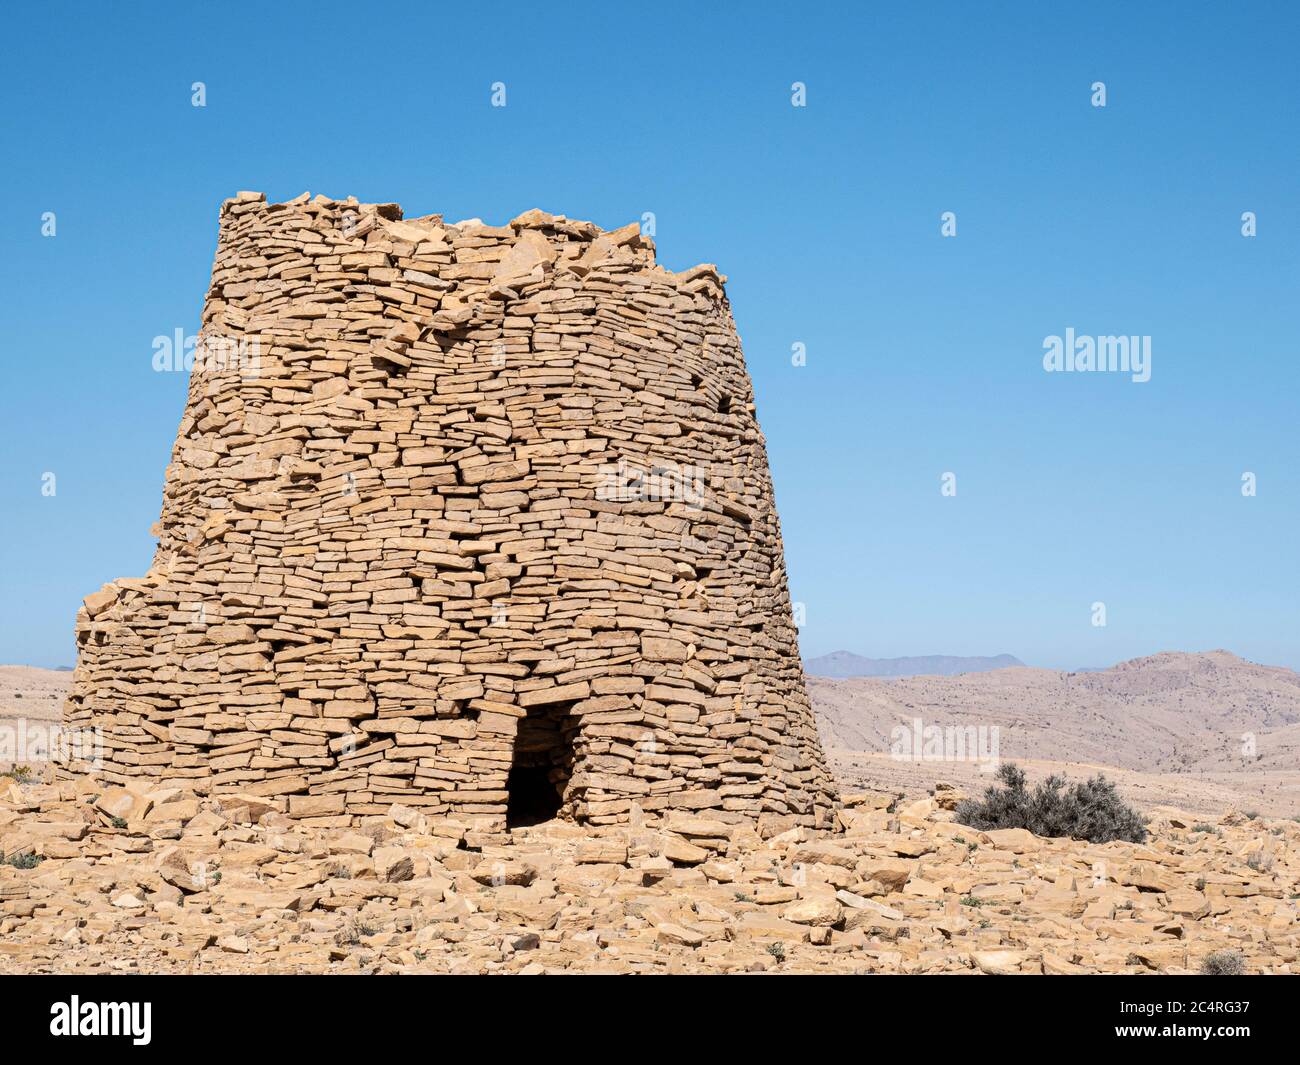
(160, 880)
(35, 693)
(157, 879)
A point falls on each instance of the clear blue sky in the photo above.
(924, 352)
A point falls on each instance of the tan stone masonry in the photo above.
(463, 517)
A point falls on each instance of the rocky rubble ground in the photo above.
(101, 878)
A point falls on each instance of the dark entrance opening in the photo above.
(542, 765)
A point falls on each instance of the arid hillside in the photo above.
(1200, 730)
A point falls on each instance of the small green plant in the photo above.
(971, 900)
(26, 860)
(1202, 827)
(777, 950)
(1200, 883)
(1223, 963)
(118, 822)
(742, 897)
(1092, 810)
(20, 773)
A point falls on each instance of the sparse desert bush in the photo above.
(1223, 963)
(350, 934)
(26, 860)
(1261, 861)
(1092, 810)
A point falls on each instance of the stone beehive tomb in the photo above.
(475, 519)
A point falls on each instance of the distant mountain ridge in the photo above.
(841, 664)
(1175, 712)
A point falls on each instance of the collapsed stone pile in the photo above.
(473, 519)
(158, 879)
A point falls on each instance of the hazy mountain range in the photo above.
(847, 664)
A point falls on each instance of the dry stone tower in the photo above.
(475, 519)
